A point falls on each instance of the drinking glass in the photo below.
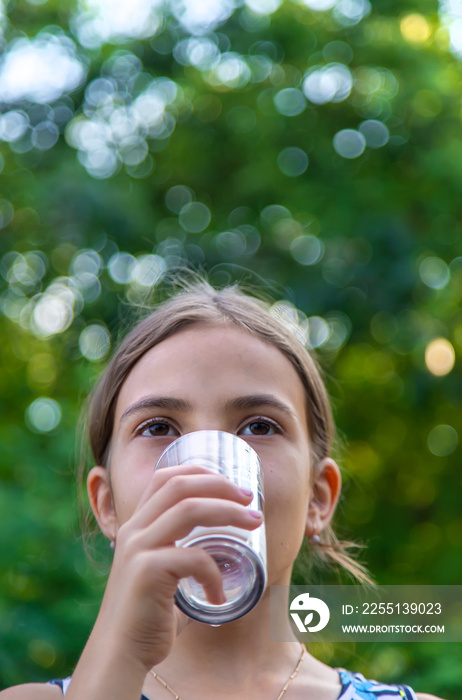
(240, 554)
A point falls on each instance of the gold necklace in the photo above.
(288, 681)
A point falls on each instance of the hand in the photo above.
(138, 605)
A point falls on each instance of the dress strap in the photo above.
(64, 684)
(356, 687)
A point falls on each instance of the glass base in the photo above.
(244, 582)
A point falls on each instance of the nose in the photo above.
(209, 420)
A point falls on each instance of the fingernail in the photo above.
(257, 514)
(246, 492)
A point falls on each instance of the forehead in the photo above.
(210, 362)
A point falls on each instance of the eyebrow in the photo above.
(166, 402)
(256, 400)
(181, 405)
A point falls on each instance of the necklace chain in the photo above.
(283, 691)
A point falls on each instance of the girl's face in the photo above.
(217, 377)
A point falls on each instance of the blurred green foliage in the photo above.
(320, 149)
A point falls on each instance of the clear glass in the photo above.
(240, 554)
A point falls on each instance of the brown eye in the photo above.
(259, 427)
(156, 429)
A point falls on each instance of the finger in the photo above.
(161, 476)
(165, 567)
(183, 486)
(180, 519)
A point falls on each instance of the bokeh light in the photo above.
(292, 161)
(375, 132)
(290, 102)
(201, 17)
(120, 267)
(194, 217)
(349, 143)
(320, 5)
(100, 21)
(434, 272)
(43, 415)
(415, 28)
(331, 83)
(41, 651)
(340, 328)
(350, 12)
(230, 71)
(442, 440)
(375, 82)
(53, 311)
(23, 272)
(148, 270)
(231, 243)
(115, 126)
(201, 52)
(263, 7)
(274, 213)
(338, 52)
(439, 357)
(318, 331)
(6, 212)
(294, 319)
(178, 197)
(13, 125)
(40, 69)
(51, 315)
(307, 249)
(45, 135)
(95, 342)
(451, 14)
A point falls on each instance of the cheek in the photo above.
(286, 508)
(287, 477)
(128, 487)
(131, 471)
(287, 493)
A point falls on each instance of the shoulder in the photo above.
(32, 691)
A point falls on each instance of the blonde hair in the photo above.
(199, 302)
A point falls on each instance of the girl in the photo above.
(216, 360)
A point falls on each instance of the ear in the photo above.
(101, 501)
(325, 493)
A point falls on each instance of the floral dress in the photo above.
(354, 687)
